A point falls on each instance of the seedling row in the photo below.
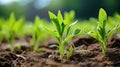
(62, 28)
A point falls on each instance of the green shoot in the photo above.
(37, 34)
(69, 52)
(62, 28)
(102, 35)
(12, 28)
(11, 31)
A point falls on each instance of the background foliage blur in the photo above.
(30, 8)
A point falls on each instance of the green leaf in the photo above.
(59, 16)
(69, 53)
(112, 31)
(37, 21)
(69, 17)
(52, 32)
(104, 24)
(71, 49)
(18, 25)
(51, 15)
(99, 29)
(57, 25)
(67, 39)
(12, 19)
(95, 35)
(72, 14)
(69, 27)
(63, 28)
(102, 15)
(76, 31)
(55, 21)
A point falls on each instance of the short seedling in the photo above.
(12, 28)
(102, 35)
(62, 28)
(37, 34)
(69, 52)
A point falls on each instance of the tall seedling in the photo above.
(102, 35)
(62, 28)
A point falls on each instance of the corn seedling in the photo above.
(11, 32)
(37, 34)
(62, 28)
(102, 35)
(12, 28)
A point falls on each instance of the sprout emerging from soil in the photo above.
(12, 28)
(102, 35)
(37, 34)
(63, 28)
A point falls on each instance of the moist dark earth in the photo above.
(87, 53)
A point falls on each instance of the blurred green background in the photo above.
(30, 8)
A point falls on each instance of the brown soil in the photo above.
(87, 53)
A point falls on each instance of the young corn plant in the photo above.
(102, 34)
(12, 28)
(62, 28)
(10, 34)
(37, 34)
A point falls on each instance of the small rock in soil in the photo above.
(53, 47)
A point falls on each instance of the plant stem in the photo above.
(36, 46)
(61, 47)
(12, 45)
